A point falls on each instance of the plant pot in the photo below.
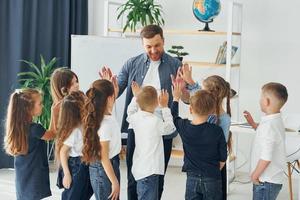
(179, 58)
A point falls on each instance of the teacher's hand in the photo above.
(105, 73)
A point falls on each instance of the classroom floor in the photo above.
(174, 189)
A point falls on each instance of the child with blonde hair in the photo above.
(25, 140)
(148, 157)
(268, 160)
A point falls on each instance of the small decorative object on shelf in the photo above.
(140, 12)
(221, 56)
(206, 10)
(177, 50)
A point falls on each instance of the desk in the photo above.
(292, 146)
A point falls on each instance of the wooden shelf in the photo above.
(178, 32)
(208, 64)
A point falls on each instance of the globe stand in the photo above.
(206, 28)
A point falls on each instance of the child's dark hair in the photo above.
(203, 102)
(70, 116)
(278, 90)
(60, 82)
(220, 89)
(147, 97)
(95, 106)
(19, 117)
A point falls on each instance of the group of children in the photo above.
(88, 138)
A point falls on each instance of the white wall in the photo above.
(270, 43)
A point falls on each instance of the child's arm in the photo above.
(64, 156)
(178, 122)
(108, 168)
(260, 168)
(268, 144)
(167, 126)
(222, 149)
(250, 120)
(133, 106)
(222, 164)
(51, 132)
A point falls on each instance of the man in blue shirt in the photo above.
(154, 67)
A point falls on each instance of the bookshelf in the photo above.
(177, 32)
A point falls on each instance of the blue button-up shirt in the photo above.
(135, 69)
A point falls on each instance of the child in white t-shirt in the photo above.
(102, 140)
(268, 150)
(148, 157)
(69, 144)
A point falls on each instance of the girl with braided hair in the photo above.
(102, 140)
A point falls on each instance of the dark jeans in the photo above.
(80, 187)
(266, 191)
(131, 185)
(202, 188)
(147, 188)
(99, 180)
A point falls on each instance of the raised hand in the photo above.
(249, 119)
(178, 78)
(105, 73)
(114, 81)
(163, 98)
(135, 88)
(186, 74)
(176, 91)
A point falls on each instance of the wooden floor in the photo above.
(174, 188)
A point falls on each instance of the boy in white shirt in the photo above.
(148, 157)
(268, 149)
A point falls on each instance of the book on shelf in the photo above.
(221, 56)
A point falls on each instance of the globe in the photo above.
(206, 10)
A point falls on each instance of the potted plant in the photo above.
(143, 12)
(177, 50)
(39, 77)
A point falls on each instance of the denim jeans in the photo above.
(80, 187)
(202, 188)
(100, 182)
(266, 191)
(147, 188)
(131, 183)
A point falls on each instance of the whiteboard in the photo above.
(90, 53)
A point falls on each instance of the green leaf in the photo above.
(32, 65)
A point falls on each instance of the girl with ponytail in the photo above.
(102, 140)
(25, 140)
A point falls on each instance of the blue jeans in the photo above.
(100, 182)
(202, 188)
(147, 188)
(80, 187)
(266, 191)
(131, 183)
